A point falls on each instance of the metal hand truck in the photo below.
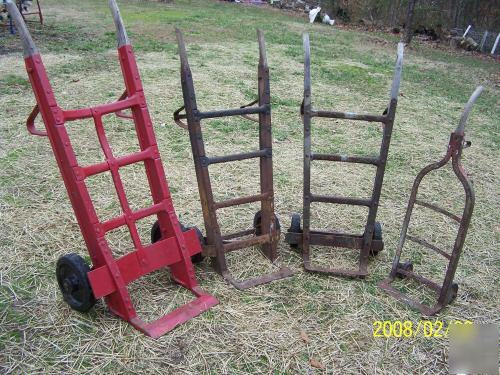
(28, 13)
(266, 229)
(447, 292)
(371, 241)
(109, 277)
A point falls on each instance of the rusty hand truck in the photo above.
(109, 277)
(370, 243)
(266, 229)
(447, 292)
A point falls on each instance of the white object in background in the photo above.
(466, 31)
(495, 45)
(313, 13)
(328, 20)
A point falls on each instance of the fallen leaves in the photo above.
(315, 363)
(304, 337)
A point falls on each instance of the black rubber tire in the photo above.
(295, 227)
(197, 258)
(453, 292)
(156, 236)
(257, 219)
(71, 274)
(377, 235)
(377, 231)
(407, 266)
(155, 232)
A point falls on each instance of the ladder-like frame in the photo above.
(268, 234)
(366, 242)
(24, 14)
(109, 277)
(446, 292)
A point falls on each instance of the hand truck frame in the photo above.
(371, 241)
(266, 230)
(109, 277)
(447, 292)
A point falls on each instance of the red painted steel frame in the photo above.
(109, 276)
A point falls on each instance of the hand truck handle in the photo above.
(178, 117)
(396, 81)
(262, 48)
(248, 117)
(468, 107)
(120, 112)
(28, 44)
(30, 123)
(121, 33)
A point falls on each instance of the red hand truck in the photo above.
(109, 277)
(447, 292)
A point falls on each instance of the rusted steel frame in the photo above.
(23, 14)
(233, 112)
(269, 235)
(345, 158)
(249, 105)
(178, 116)
(387, 119)
(239, 234)
(428, 245)
(242, 200)
(340, 200)
(324, 238)
(252, 241)
(438, 209)
(350, 116)
(237, 157)
(445, 291)
(422, 280)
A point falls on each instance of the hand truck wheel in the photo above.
(452, 294)
(71, 273)
(257, 219)
(295, 227)
(156, 236)
(407, 266)
(377, 235)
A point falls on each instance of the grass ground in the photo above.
(259, 330)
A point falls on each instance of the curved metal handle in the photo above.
(262, 48)
(182, 48)
(306, 102)
(396, 81)
(28, 44)
(177, 118)
(248, 117)
(120, 113)
(468, 107)
(30, 123)
(121, 33)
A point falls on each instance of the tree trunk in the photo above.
(409, 21)
(394, 12)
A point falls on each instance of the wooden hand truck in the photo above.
(447, 292)
(109, 277)
(370, 242)
(266, 229)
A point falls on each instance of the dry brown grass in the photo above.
(256, 331)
